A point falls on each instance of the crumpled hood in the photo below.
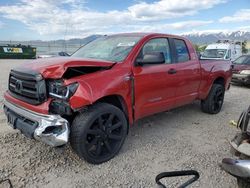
(54, 68)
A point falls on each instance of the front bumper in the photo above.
(50, 129)
(241, 78)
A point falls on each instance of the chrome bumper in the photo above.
(241, 78)
(238, 168)
(51, 129)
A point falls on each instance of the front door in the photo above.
(155, 85)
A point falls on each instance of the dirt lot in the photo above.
(184, 138)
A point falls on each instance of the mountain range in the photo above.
(71, 45)
(210, 37)
(196, 37)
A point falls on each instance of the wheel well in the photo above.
(220, 80)
(117, 101)
(114, 100)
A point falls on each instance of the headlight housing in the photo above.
(245, 72)
(58, 90)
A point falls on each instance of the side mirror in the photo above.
(151, 59)
(63, 54)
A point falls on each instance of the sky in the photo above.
(65, 19)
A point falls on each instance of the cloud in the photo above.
(170, 9)
(172, 26)
(245, 28)
(1, 24)
(73, 18)
(242, 15)
(189, 24)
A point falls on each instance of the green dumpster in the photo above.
(17, 52)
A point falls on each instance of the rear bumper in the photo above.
(237, 168)
(241, 78)
(50, 129)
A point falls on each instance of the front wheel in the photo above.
(98, 134)
(214, 101)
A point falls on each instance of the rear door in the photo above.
(188, 72)
(155, 85)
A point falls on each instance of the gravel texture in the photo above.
(183, 138)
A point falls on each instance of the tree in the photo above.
(202, 48)
(199, 48)
(244, 47)
(196, 47)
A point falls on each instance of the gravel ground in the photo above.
(184, 138)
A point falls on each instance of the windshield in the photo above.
(214, 53)
(110, 48)
(242, 60)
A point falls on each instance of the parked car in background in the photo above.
(53, 54)
(223, 49)
(241, 70)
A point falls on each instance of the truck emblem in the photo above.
(18, 85)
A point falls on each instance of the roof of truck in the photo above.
(222, 46)
(218, 46)
(142, 34)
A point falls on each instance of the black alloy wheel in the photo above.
(218, 99)
(104, 135)
(214, 101)
(98, 134)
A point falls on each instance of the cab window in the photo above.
(228, 54)
(157, 45)
(181, 50)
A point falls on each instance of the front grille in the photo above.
(29, 87)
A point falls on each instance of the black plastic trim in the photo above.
(35, 95)
(26, 126)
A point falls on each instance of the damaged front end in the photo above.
(62, 89)
(241, 142)
(50, 129)
(51, 85)
(82, 70)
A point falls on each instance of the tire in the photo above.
(98, 134)
(243, 183)
(214, 101)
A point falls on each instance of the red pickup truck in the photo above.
(92, 98)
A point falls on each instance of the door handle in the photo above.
(172, 71)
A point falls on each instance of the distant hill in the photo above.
(80, 41)
(47, 47)
(210, 37)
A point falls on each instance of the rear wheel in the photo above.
(98, 134)
(214, 101)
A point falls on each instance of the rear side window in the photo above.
(181, 50)
(158, 45)
(248, 61)
(228, 54)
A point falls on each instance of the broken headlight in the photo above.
(58, 90)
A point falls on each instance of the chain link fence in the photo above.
(48, 47)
